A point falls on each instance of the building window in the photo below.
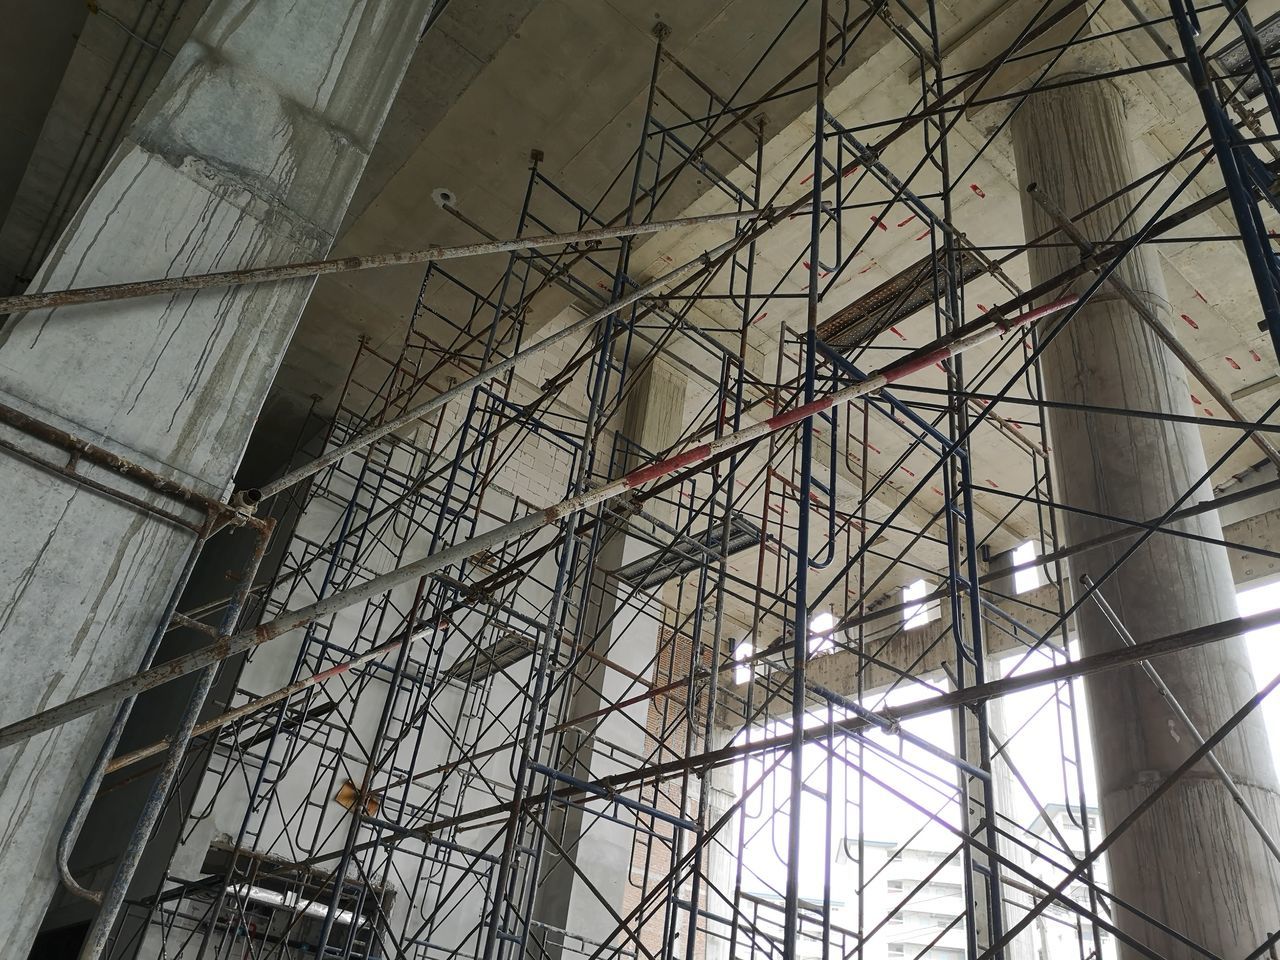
(821, 634)
(917, 614)
(743, 672)
(1028, 578)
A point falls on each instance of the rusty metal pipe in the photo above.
(106, 293)
(103, 457)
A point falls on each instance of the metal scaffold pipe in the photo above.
(283, 693)
(107, 293)
(991, 326)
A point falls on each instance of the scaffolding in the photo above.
(507, 634)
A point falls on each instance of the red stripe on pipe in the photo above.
(663, 467)
(908, 367)
(798, 414)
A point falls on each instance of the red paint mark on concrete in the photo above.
(1231, 363)
(924, 234)
(1195, 400)
(978, 190)
(1190, 323)
(879, 223)
(897, 333)
(903, 223)
(1254, 354)
(1200, 297)
(1208, 411)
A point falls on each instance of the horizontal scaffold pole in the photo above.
(106, 293)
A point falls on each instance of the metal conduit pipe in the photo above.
(1086, 666)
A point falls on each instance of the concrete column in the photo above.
(624, 628)
(1192, 861)
(246, 155)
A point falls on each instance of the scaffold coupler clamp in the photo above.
(245, 502)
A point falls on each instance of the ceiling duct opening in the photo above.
(690, 553)
(894, 300)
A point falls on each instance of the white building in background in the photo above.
(1058, 935)
(929, 923)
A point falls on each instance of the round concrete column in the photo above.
(1192, 861)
